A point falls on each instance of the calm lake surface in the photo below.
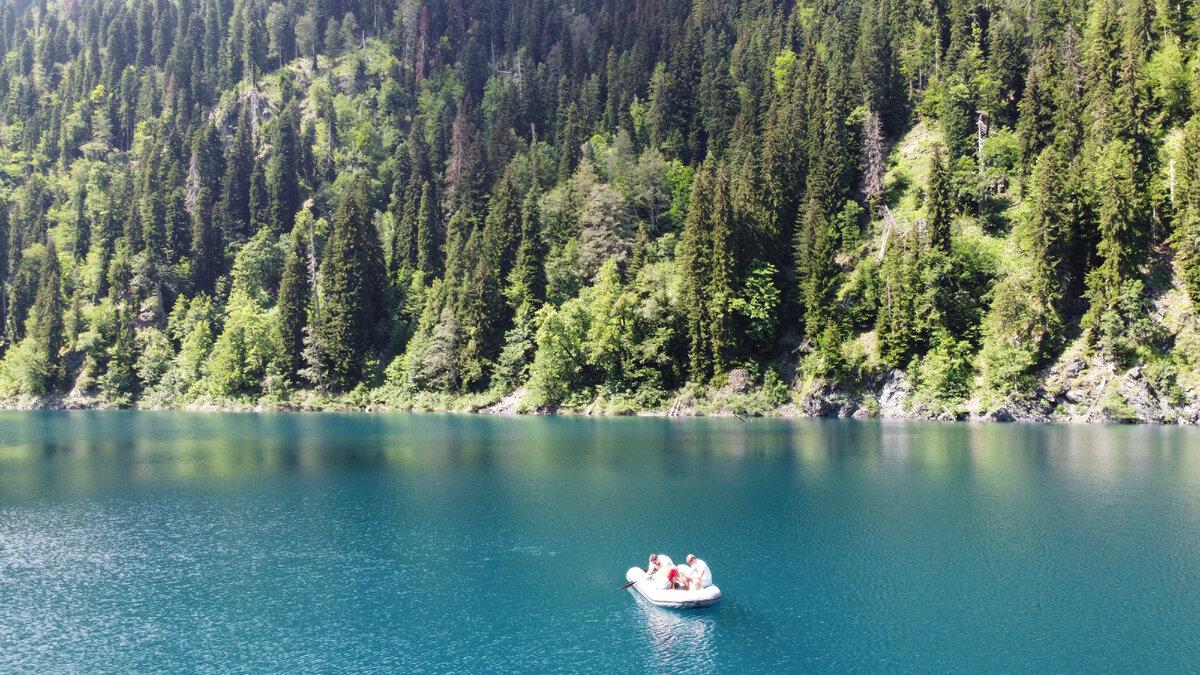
(136, 541)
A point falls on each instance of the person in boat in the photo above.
(685, 580)
(659, 563)
(659, 568)
(675, 579)
(699, 576)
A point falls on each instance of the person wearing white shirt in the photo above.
(699, 574)
(660, 565)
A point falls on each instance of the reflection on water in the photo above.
(150, 448)
(680, 640)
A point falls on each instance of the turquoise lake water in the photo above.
(137, 541)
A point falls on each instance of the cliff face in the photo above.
(1082, 385)
(1077, 390)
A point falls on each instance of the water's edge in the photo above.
(827, 403)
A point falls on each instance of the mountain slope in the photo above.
(893, 208)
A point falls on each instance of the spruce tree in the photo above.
(692, 260)
(896, 321)
(958, 118)
(938, 214)
(207, 249)
(1035, 120)
(260, 203)
(570, 139)
(428, 260)
(352, 291)
(502, 228)
(527, 281)
(120, 383)
(820, 271)
(479, 308)
(234, 211)
(283, 172)
(46, 318)
(295, 300)
(4, 273)
(1186, 235)
(1045, 240)
(721, 274)
(1117, 220)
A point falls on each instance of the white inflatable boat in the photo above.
(671, 598)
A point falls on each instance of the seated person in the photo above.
(659, 564)
(675, 580)
(698, 572)
(682, 577)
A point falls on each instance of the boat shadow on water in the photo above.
(679, 639)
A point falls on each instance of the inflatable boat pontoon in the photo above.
(671, 598)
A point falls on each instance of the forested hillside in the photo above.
(898, 207)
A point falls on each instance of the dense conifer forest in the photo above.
(918, 207)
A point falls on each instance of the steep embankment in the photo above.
(1156, 381)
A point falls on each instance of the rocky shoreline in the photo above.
(1074, 390)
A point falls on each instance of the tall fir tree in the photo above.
(234, 210)
(352, 290)
(1186, 235)
(428, 258)
(295, 302)
(46, 316)
(938, 210)
(692, 256)
(720, 291)
(283, 171)
(207, 248)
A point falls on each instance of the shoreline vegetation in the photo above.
(944, 210)
(1129, 399)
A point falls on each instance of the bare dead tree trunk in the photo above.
(889, 224)
(873, 167)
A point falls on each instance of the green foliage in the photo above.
(859, 294)
(1126, 325)
(781, 72)
(849, 224)
(944, 374)
(352, 294)
(258, 267)
(25, 370)
(614, 337)
(557, 368)
(157, 355)
(241, 354)
(1115, 407)
(1186, 235)
(269, 197)
(194, 325)
(119, 384)
(957, 115)
(758, 304)
(512, 366)
(295, 301)
(606, 230)
(938, 214)
(45, 323)
(1015, 333)
(1169, 78)
(897, 321)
